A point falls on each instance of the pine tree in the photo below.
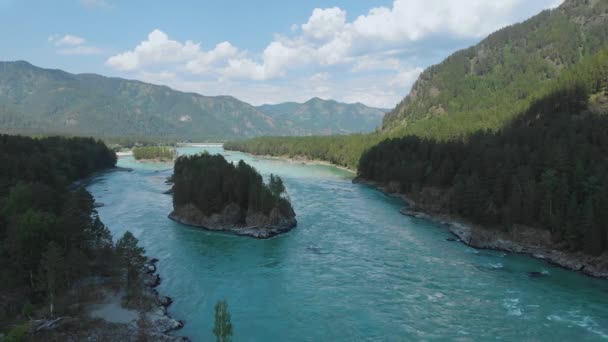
(276, 185)
(549, 184)
(51, 273)
(132, 256)
(594, 237)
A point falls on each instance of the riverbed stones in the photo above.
(151, 280)
(165, 301)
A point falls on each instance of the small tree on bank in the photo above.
(131, 257)
(223, 326)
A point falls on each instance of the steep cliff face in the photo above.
(484, 86)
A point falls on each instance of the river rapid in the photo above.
(354, 269)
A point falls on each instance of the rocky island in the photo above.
(214, 194)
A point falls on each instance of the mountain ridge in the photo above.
(485, 85)
(327, 117)
(36, 100)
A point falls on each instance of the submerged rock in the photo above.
(149, 268)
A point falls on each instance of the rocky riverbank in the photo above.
(107, 316)
(257, 225)
(535, 242)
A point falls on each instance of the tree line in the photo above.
(211, 183)
(476, 89)
(50, 233)
(343, 150)
(154, 152)
(548, 168)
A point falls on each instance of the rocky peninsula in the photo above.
(211, 193)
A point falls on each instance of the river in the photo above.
(354, 269)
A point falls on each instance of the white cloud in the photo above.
(406, 77)
(202, 63)
(244, 68)
(323, 23)
(70, 44)
(67, 40)
(327, 38)
(367, 63)
(412, 20)
(278, 57)
(158, 48)
(319, 77)
(371, 53)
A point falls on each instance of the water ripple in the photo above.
(353, 270)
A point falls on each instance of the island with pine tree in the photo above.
(161, 154)
(214, 194)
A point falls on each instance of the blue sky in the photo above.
(259, 51)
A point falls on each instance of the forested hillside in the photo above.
(50, 237)
(325, 117)
(36, 100)
(548, 168)
(345, 150)
(43, 101)
(484, 86)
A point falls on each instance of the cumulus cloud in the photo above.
(411, 20)
(67, 40)
(323, 23)
(372, 47)
(158, 48)
(70, 44)
(406, 77)
(204, 60)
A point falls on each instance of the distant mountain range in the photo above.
(325, 117)
(34, 100)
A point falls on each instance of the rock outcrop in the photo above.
(526, 240)
(234, 220)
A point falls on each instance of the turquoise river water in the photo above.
(353, 270)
